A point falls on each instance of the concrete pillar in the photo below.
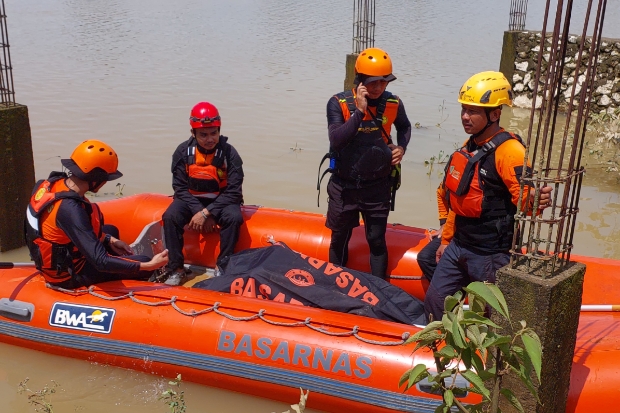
(350, 71)
(16, 174)
(509, 53)
(551, 307)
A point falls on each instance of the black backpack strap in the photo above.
(490, 147)
(497, 140)
(381, 110)
(191, 151)
(221, 152)
(319, 176)
(348, 96)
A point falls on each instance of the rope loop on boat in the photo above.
(262, 312)
(192, 312)
(232, 317)
(383, 343)
(216, 309)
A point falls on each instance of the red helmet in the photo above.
(204, 115)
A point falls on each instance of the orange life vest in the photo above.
(207, 173)
(469, 193)
(50, 248)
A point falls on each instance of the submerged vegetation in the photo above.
(173, 398)
(40, 400)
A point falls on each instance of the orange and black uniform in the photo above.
(65, 235)
(360, 182)
(480, 225)
(204, 179)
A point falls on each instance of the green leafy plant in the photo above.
(440, 159)
(39, 399)
(442, 116)
(466, 343)
(174, 399)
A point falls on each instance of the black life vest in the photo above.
(367, 159)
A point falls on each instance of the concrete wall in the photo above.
(16, 174)
(520, 56)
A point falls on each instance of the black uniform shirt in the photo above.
(232, 194)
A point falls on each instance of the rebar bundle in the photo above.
(518, 13)
(7, 92)
(363, 25)
(542, 245)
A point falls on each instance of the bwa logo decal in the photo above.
(82, 317)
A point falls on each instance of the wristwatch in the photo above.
(107, 239)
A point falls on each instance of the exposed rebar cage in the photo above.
(518, 13)
(542, 245)
(7, 92)
(363, 25)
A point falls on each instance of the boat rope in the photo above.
(216, 309)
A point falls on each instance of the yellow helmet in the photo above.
(487, 89)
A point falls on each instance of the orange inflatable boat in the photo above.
(270, 349)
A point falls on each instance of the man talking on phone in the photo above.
(359, 123)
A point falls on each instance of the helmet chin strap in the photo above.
(489, 123)
(94, 184)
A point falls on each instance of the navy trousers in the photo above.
(457, 268)
(178, 215)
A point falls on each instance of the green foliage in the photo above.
(39, 399)
(175, 400)
(461, 344)
(440, 159)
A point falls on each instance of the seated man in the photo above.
(207, 176)
(427, 257)
(65, 233)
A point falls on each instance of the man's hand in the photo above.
(197, 222)
(210, 225)
(439, 252)
(397, 153)
(360, 98)
(545, 197)
(120, 247)
(156, 262)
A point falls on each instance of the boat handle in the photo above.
(20, 309)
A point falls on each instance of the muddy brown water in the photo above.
(128, 71)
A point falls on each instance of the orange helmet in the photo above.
(93, 160)
(374, 64)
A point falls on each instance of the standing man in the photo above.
(65, 234)
(481, 184)
(207, 176)
(359, 122)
